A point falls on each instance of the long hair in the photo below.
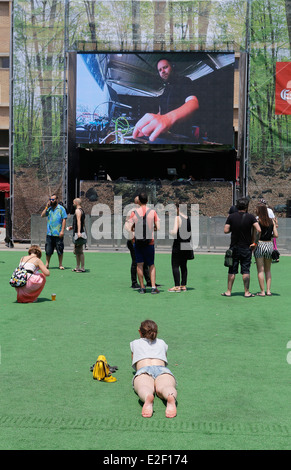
(149, 329)
(262, 213)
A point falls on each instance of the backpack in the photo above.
(101, 370)
(19, 277)
(141, 229)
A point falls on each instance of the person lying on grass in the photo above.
(149, 360)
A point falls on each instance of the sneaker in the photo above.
(155, 290)
(135, 286)
(142, 290)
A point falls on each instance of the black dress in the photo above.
(182, 252)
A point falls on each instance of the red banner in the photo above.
(283, 88)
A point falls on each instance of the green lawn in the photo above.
(229, 356)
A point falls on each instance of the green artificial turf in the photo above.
(229, 356)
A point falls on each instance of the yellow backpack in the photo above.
(101, 370)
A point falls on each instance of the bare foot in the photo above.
(171, 410)
(147, 409)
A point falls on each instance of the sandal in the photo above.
(183, 288)
(175, 289)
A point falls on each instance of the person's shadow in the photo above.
(39, 300)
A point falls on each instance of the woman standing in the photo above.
(264, 249)
(78, 228)
(36, 280)
(181, 250)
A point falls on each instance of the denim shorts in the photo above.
(153, 371)
(54, 243)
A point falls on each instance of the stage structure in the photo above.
(85, 74)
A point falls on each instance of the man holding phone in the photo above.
(56, 225)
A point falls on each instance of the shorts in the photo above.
(242, 256)
(153, 371)
(145, 254)
(264, 250)
(54, 243)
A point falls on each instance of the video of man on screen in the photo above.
(155, 98)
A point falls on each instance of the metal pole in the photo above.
(247, 113)
(65, 108)
(11, 124)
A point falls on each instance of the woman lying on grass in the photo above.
(149, 359)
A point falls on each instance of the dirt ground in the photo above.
(271, 183)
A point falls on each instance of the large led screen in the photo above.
(155, 98)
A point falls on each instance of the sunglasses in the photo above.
(53, 199)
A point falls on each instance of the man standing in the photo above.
(240, 224)
(177, 105)
(144, 220)
(56, 224)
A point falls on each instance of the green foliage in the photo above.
(268, 45)
(41, 39)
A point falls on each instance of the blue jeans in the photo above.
(153, 371)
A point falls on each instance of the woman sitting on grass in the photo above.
(36, 280)
(149, 359)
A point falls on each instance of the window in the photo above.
(4, 62)
(4, 138)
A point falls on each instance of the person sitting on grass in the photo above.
(149, 359)
(37, 274)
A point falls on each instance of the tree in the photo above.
(288, 17)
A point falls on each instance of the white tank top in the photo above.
(146, 349)
(29, 266)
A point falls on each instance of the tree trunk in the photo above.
(90, 10)
(159, 25)
(136, 36)
(190, 26)
(203, 20)
(171, 20)
(288, 17)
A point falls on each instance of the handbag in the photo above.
(275, 255)
(190, 255)
(80, 240)
(101, 370)
(228, 258)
